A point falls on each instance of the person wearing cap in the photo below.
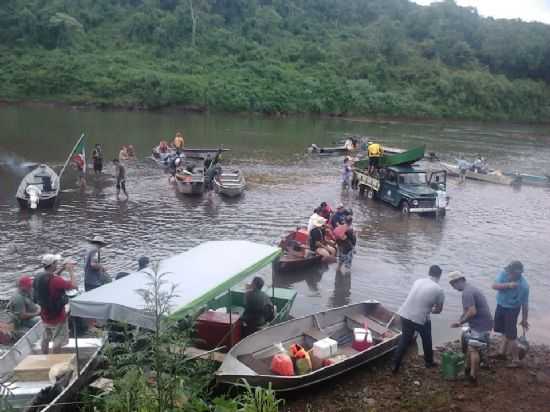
(424, 298)
(512, 298)
(50, 291)
(94, 272)
(24, 312)
(478, 317)
(316, 215)
(317, 240)
(325, 210)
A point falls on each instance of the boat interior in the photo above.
(282, 299)
(337, 325)
(30, 371)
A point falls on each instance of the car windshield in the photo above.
(412, 179)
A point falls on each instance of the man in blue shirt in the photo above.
(512, 298)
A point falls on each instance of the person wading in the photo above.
(50, 295)
(97, 159)
(512, 298)
(478, 316)
(94, 272)
(425, 297)
(346, 240)
(120, 172)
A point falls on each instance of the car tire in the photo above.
(405, 208)
(371, 194)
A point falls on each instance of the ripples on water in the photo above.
(487, 225)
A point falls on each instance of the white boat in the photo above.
(25, 384)
(38, 189)
(493, 176)
(230, 183)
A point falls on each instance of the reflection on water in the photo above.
(486, 227)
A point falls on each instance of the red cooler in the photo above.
(213, 329)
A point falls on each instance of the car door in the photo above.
(389, 192)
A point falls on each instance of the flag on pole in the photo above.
(79, 156)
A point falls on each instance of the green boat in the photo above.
(407, 157)
(205, 277)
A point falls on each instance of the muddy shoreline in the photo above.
(415, 388)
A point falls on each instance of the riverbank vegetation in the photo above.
(353, 57)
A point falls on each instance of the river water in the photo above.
(486, 227)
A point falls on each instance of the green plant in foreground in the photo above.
(257, 399)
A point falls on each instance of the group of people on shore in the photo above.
(126, 153)
(44, 296)
(426, 297)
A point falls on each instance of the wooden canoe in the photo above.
(251, 358)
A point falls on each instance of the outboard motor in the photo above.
(34, 193)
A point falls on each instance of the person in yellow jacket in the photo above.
(179, 141)
(375, 152)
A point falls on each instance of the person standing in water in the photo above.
(346, 174)
(120, 172)
(97, 159)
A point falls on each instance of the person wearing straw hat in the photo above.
(512, 298)
(317, 241)
(94, 272)
(478, 316)
(50, 294)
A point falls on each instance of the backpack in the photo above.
(42, 295)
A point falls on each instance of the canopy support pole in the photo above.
(69, 158)
(76, 347)
(230, 320)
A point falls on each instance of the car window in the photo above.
(412, 178)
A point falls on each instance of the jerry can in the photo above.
(452, 364)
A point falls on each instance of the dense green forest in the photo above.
(359, 57)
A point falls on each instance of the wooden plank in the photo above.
(37, 367)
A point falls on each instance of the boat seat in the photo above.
(315, 334)
(373, 325)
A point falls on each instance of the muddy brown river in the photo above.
(486, 227)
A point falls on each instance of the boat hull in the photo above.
(44, 203)
(286, 264)
(191, 189)
(240, 362)
(495, 178)
(230, 184)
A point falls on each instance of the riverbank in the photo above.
(175, 108)
(416, 388)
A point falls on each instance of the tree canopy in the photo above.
(383, 57)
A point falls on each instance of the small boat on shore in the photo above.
(230, 183)
(31, 371)
(251, 358)
(328, 151)
(296, 255)
(493, 176)
(38, 189)
(529, 180)
(189, 177)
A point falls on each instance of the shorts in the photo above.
(98, 166)
(475, 339)
(59, 334)
(374, 161)
(506, 321)
(121, 185)
(345, 258)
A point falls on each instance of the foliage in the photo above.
(6, 385)
(384, 57)
(150, 371)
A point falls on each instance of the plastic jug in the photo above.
(452, 364)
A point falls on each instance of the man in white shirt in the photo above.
(425, 297)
